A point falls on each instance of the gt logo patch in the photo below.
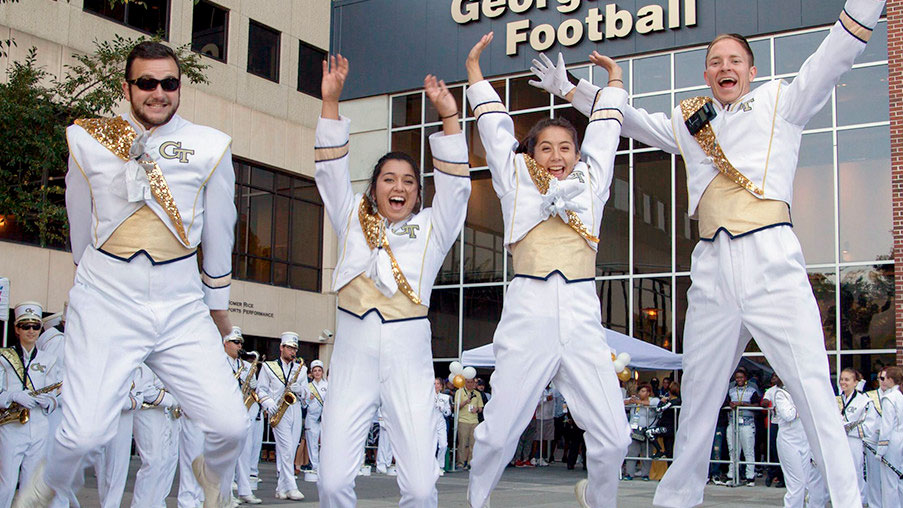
(578, 174)
(39, 367)
(174, 150)
(747, 106)
(408, 229)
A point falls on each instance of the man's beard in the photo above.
(148, 121)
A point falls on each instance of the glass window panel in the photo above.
(655, 103)
(600, 77)
(241, 171)
(652, 212)
(431, 115)
(280, 274)
(209, 26)
(689, 67)
(524, 122)
(406, 109)
(679, 96)
(867, 307)
(865, 194)
(443, 315)
(310, 69)
(281, 238)
(241, 239)
(483, 255)
(450, 271)
(824, 287)
(238, 266)
(613, 255)
(824, 118)
(307, 190)
(813, 206)
(427, 163)
(876, 49)
(263, 51)
(482, 312)
(762, 53)
(615, 301)
(106, 9)
(862, 96)
(790, 52)
(305, 278)
(151, 18)
(283, 184)
(651, 74)
(262, 178)
(869, 365)
(260, 224)
(687, 234)
(307, 233)
(259, 270)
(652, 311)
(524, 96)
(476, 151)
(407, 141)
(681, 304)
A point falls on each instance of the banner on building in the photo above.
(4, 299)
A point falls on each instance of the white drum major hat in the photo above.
(29, 311)
(235, 334)
(316, 363)
(289, 339)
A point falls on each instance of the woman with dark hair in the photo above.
(550, 330)
(390, 251)
(890, 446)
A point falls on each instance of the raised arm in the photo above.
(331, 146)
(603, 131)
(818, 76)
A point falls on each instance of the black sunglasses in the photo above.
(29, 326)
(150, 84)
(882, 378)
(237, 341)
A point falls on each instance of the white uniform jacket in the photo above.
(104, 187)
(784, 414)
(274, 376)
(42, 369)
(890, 444)
(314, 405)
(443, 406)
(420, 243)
(51, 341)
(584, 191)
(858, 408)
(759, 133)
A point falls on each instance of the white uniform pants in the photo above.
(62, 500)
(21, 450)
(800, 474)
(121, 314)
(753, 286)
(891, 484)
(256, 444)
(287, 435)
(441, 440)
(157, 441)
(551, 331)
(873, 467)
(312, 433)
(383, 448)
(388, 365)
(242, 474)
(191, 444)
(112, 464)
(856, 451)
(746, 434)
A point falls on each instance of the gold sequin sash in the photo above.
(117, 135)
(373, 226)
(706, 139)
(16, 363)
(541, 178)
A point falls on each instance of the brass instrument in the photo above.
(248, 394)
(16, 413)
(288, 398)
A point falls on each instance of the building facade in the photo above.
(843, 207)
(264, 81)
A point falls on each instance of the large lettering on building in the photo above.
(600, 23)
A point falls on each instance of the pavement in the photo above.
(551, 486)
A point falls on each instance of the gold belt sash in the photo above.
(554, 246)
(360, 296)
(724, 205)
(144, 231)
(374, 227)
(706, 139)
(541, 179)
(117, 135)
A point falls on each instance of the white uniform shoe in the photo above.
(250, 499)
(391, 471)
(580, 489)
(295, 495)
(311, 476)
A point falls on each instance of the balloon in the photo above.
(469, 373)
(624, 357)
(455, 367)
(451, 378)
(624, 375)
(458, 381)
(619, 365)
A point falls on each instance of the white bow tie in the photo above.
(560, 198)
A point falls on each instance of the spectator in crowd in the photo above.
(481, 389)
(558, 415)
(524, 450)
(716, 469)
(773, 474)
(641, 415)
(665, 390)
(573, 441)
(545, 427)
(741, 433)
(630, 388)
(669, 416)
(470, 404)
(656, 392)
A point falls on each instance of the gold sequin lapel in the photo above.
(374, 228)
(706, 139)
(117, 135)
(541, 178)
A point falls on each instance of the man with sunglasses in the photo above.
(144, 190)
(24, 368)
(873, 464)
(233, 344)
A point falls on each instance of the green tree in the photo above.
(35, 109)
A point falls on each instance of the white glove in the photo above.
(129, 403)
(297, 388)
(552, 78)
(269, 406)
(23, 399)
(45, 400)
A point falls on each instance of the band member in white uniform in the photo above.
(143, 191)
(553, 193)
(316, 397)
(800, 474)
(233, 343)
(873, 465)
(858, 414)
(391, 251)
(111, 464)
(24, 368)
(890, 446)
(442, 408)
(749, 276)
(278, 379)
(156, 431)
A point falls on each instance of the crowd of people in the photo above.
(140, 305)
